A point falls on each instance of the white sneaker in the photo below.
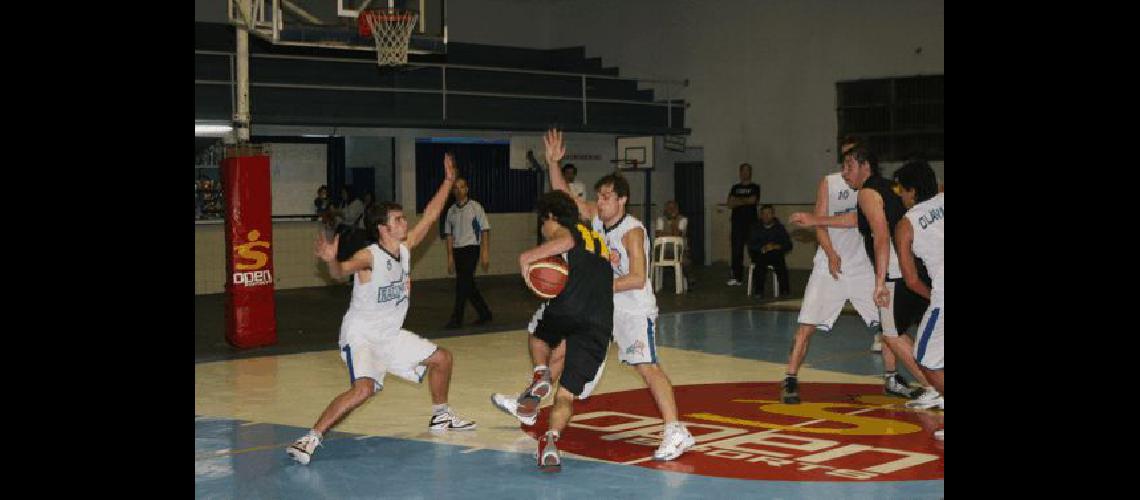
(675, 441)
(448, 421)
(302, 449)
(928, 399)
(549, 460)
(877, 345)
(510, 405)
(733, 282)
(939, 434)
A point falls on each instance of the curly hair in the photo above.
(559, 204)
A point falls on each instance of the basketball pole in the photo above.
(241, 114)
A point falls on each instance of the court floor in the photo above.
(846, 440)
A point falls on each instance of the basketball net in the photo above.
(391, 30)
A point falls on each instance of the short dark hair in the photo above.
(742, 165)
(569, 165)
(767, 207)
(559, 204)
(620, 185)
(862, 154)
(917, 175)
(378, 215)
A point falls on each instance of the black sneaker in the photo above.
(452, 325)
(482, 321)
(790, 391)
(898, 386)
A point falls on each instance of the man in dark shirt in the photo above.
(742, 199)
(767, 245)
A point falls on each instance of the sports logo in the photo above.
(251, 261)
(840, 432)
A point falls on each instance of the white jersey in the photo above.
(639, 300)
(847, 241)
(927, 220)
(383, 300)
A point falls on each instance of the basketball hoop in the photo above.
(391, 29)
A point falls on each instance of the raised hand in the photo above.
(555, 149)
(324, 249)
(450, 172)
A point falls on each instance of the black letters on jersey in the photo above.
(589, 291)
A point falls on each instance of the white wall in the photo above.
(762, 72)
(296, 170)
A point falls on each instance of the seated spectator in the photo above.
(322, 202)
(672, 223)
(767, 244)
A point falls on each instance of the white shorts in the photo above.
(929, 348)
(824, 297)
(635, 335)
(373, 355)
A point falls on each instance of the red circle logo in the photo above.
(840, 432)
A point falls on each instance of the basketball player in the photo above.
(920, 234)
(372, 342)
(575, 327)
(634, 305)
(878, 211)
(841, 272)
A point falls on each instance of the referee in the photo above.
(467, 231)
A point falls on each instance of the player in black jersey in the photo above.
(572, 330)
(880, 210)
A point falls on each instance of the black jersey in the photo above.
(589, 292)
(895, 210)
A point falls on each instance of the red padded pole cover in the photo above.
(250, 309)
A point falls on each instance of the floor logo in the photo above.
(841, 432)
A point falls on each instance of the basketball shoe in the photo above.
(549, 460)
(302, 449)
(675, 441)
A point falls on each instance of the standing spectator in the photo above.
(768, 244)
(672, 223)
(468, 239)
(366, 203)
(569, 172)
(742, 199)
(353, 211)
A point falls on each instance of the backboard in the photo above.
(639, 149)
(333, 23)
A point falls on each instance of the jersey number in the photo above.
(588, 237)
(846, 193)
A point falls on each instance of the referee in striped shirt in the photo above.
(468, 239)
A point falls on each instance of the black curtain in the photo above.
(487, 169)
(689, 191)
(334, 165)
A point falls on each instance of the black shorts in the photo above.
(586, 343)
(906, 310)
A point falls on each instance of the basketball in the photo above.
(547, 277)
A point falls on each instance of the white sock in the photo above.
(552, 433)
(314, 433)
(541, 368)
(439, 409)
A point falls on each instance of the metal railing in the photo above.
(443, 90)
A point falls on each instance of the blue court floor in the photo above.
(726, 366)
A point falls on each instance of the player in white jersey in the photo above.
(841, 272)
(635, 306)
(372, 341)
(921, 234)
(878, 211)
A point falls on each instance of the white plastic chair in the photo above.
(660, 244)
(775, 282)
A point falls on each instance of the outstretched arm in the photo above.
(555, 150)
(326, 251)
(435, 206)
(848, 219)
(904, 236)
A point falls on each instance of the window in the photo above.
(896, 117)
